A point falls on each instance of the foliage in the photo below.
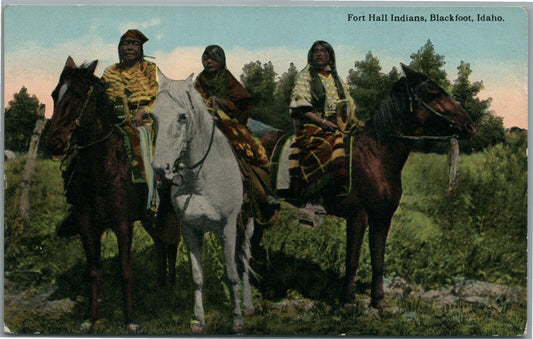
(427, 61)
(20, 117)
(282, 98)
(368, 86)
(465, 93)
(259, 81)
(438, 237)
(479, 228)
(490, 132)
(271, 98)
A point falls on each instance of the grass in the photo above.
(436, 240)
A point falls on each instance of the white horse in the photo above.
(207, 189)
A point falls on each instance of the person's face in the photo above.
(320, 57)
(209, 64)
(131, 51)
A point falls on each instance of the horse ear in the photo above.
(70, 63)
(413, 77)
(92, 66)
(190, 77)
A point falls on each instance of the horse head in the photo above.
(176, 114)
(434, 109)
(71, 98)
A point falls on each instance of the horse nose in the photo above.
(470, 128)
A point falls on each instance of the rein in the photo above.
(71, 148)
(199, 163)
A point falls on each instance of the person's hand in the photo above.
(325, 124)
(137, 119)
(212, 101)
(329, 126)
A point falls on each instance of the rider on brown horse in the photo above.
(318, 154)
(132, 88)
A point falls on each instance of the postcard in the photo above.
(329, 169)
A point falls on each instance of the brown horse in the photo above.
(101, 191)
(379, 154)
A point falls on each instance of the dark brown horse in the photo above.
(101, 190)
(379, 154)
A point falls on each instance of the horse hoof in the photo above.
(249, 313)
(133, 328)
(87, 326)
(238, 326)
(196, 327)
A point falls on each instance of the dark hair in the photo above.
(328, 48)
(316, 84)
(216, 53)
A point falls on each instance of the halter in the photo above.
(199, 163)
(414, 97)
(68, 148)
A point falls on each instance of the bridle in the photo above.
(178, 164)
(70, 148)
(414, 98)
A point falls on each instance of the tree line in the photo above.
(368, 85)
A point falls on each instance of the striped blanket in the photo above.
(139, 146)
(318, 159)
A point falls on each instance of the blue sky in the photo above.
(38, 39)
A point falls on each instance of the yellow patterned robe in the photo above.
(137, 84)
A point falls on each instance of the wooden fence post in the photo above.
(23, 210)
(454, 163)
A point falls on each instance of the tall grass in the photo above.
(438, 237)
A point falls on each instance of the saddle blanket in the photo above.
(139, 146)
(283, 178)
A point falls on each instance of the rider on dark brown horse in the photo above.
(318, 152)
(132, 82)
(232, 105)
(132, 87)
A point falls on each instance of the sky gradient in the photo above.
(39, 38)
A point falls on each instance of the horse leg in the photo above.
(229, 242)
(124, 238)
(379, 229)
(355, 231)
(246, 256)
(172, 253)
(194, 242)
(161, 262)
(91, 245)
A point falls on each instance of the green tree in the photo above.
(20, 117)
(490, 131)
(282, 98)
(490, 127)
(465, 92)
(260, 81)
(368, 86)
(427, 61)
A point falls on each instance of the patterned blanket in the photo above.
(139, 146)
(318, 159)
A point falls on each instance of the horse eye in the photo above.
(182, 117)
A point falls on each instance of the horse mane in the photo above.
(183, 91)
(390, 117)
(105, 106)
